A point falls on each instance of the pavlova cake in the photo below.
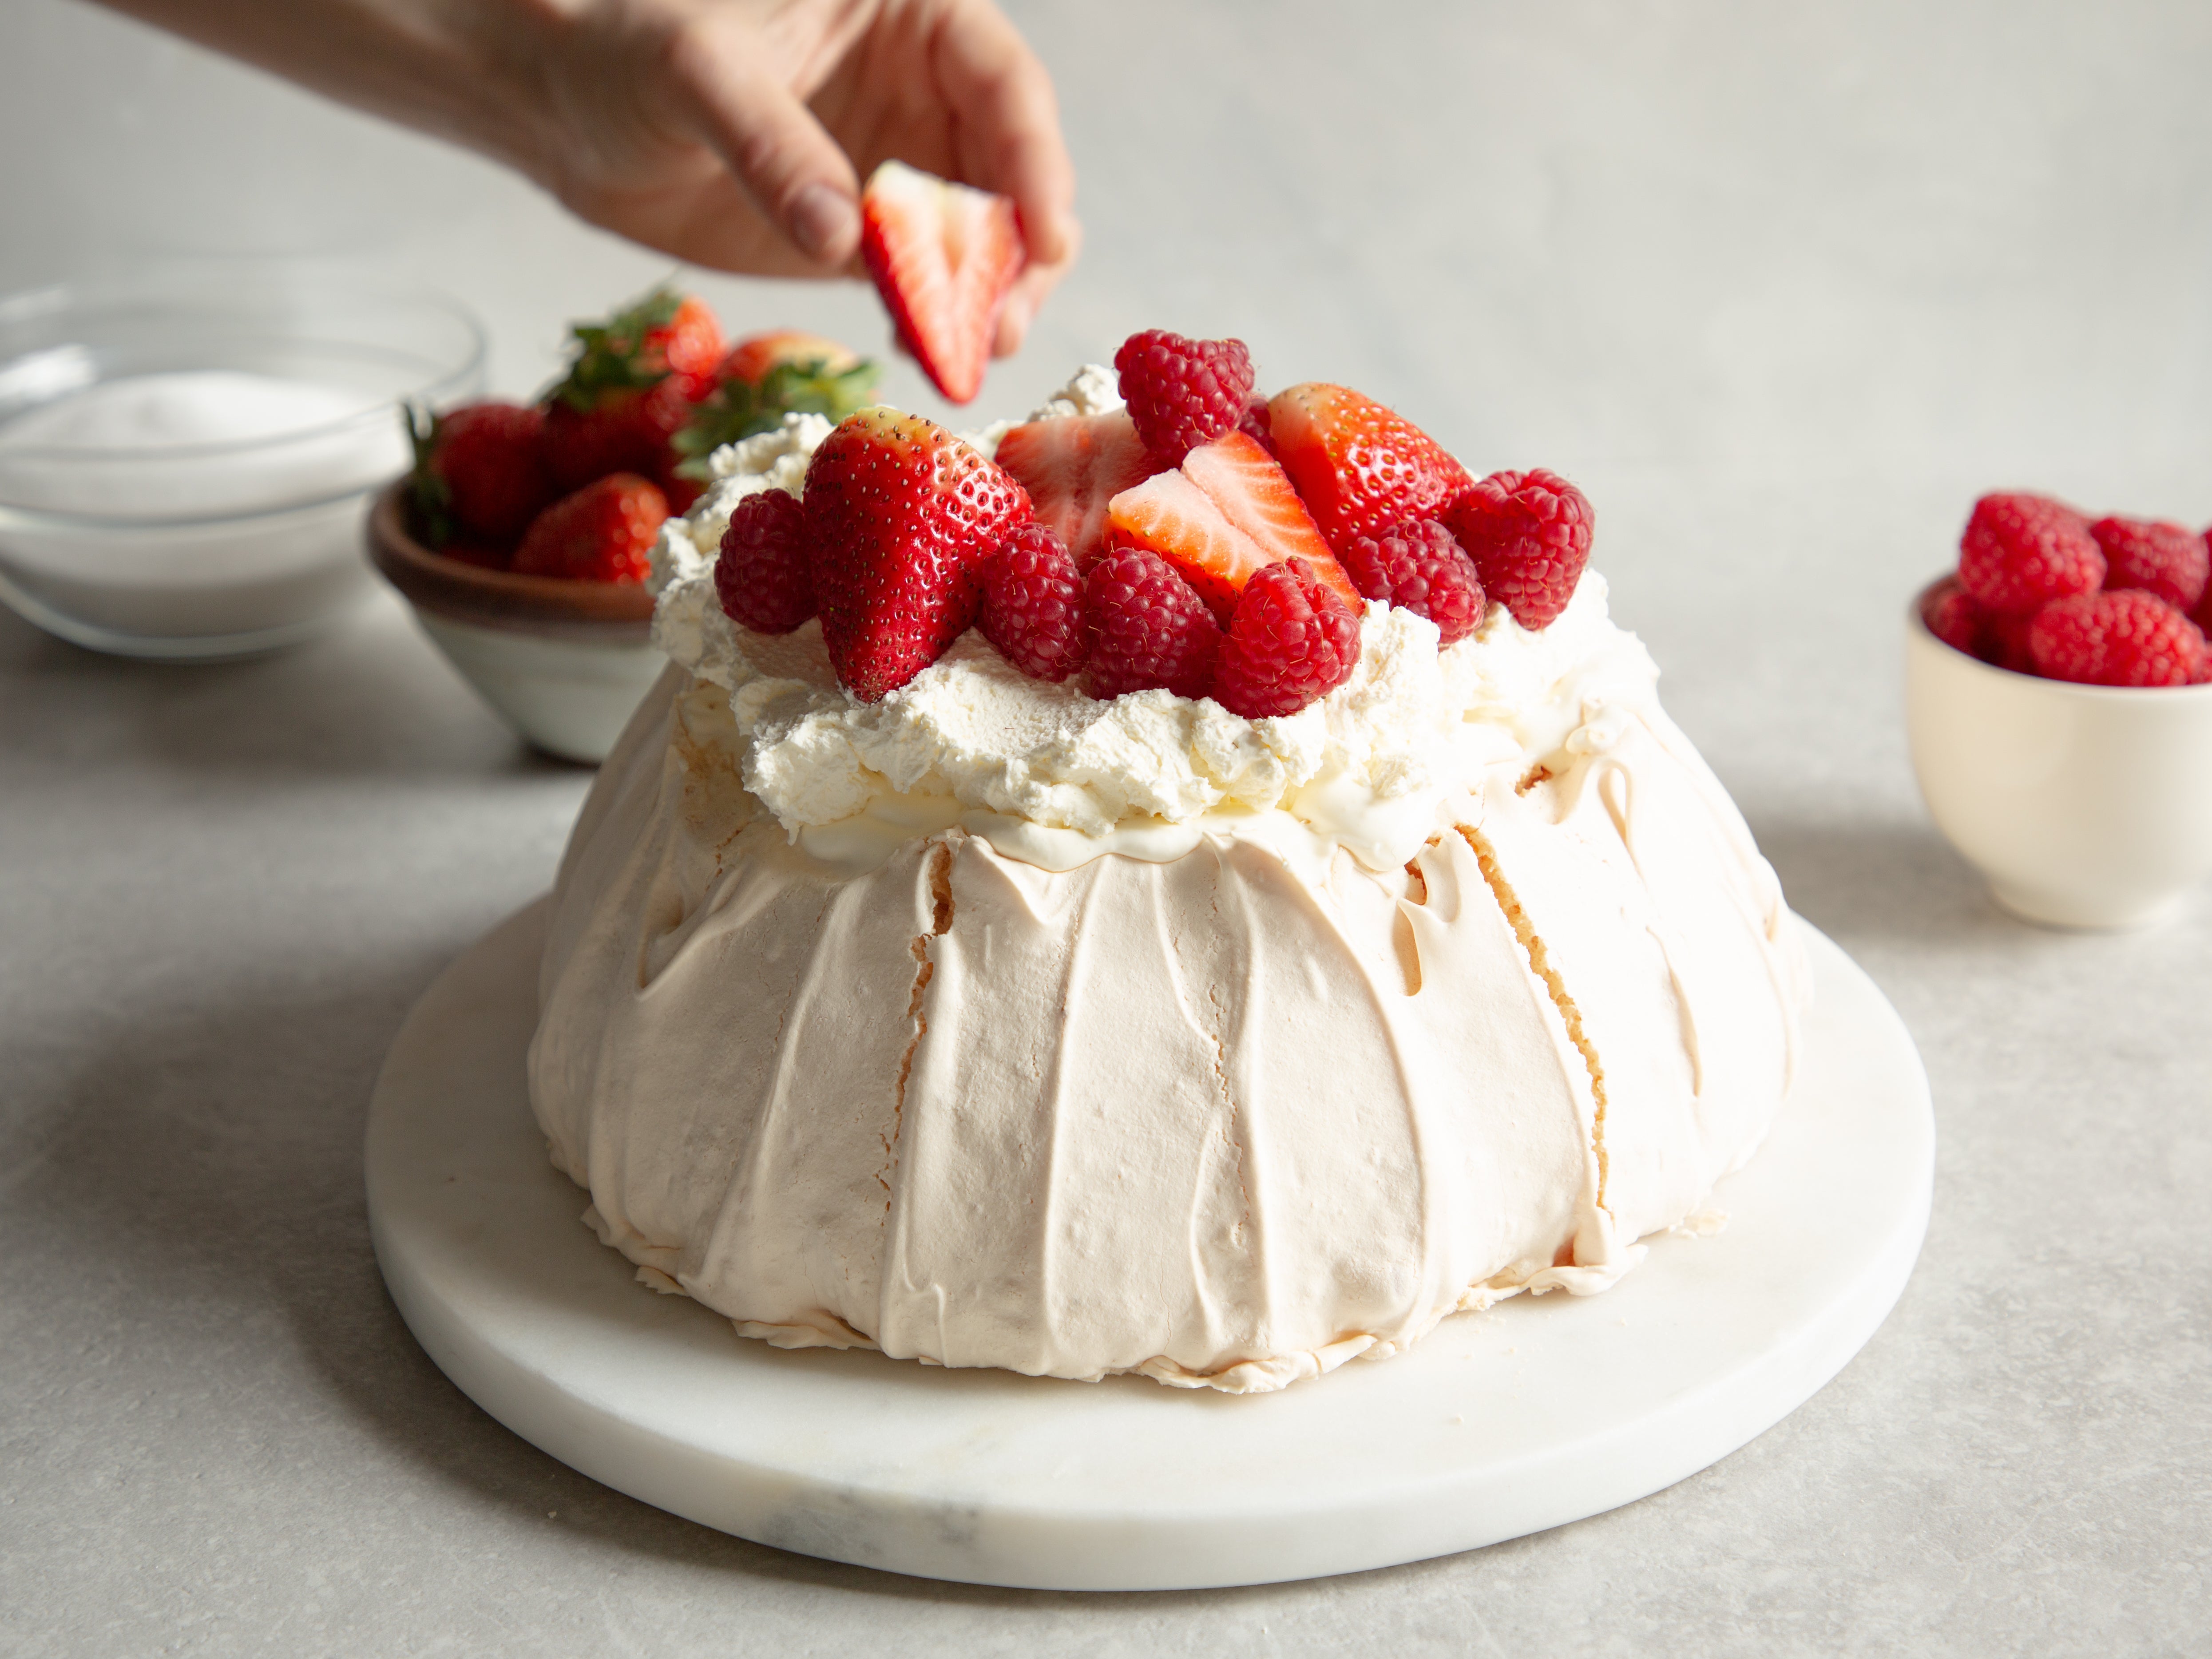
(1196, 885)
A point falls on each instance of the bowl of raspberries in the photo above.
(2058, 700)
(523, 536)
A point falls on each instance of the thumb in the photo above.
(802, 181)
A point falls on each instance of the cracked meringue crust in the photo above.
(1226, 1109)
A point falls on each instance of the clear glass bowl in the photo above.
(184, 465)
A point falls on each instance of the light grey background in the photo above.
(1783, 287)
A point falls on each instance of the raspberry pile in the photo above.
(2041, 589)
(1203, 540)
(564, 486)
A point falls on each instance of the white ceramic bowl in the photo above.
(565, 663)
(2084, 806)
(184, 461)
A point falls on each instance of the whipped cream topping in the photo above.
(1053, 778)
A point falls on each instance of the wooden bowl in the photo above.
(550, 607)
(565, 663)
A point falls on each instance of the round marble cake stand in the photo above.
(1538, 1412)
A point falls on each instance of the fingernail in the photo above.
(821, 220)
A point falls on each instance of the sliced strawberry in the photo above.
(901, 514)
(1072, 467)
(1361, 468)
(942, 256)
(1227, 512)
(1251, 488)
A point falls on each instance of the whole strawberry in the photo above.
(1528, 534)
(764, 378)
(616, 428)
(764, 575)
(2157, 558)
(480, 475)
(900, 512)
(1033, 608)
(628, 389)
(603, 533)
(1293, 640)
(1182, 393)
(2021, 551)
(2127, 638)
(665, 332)
(754, 358)
(1361, 468)
(1150, 628)
(1421, 567)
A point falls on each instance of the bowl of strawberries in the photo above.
(2058, 699)
(523, 536)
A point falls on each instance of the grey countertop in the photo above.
(1783, 287)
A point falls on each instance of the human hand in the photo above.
(735, 133)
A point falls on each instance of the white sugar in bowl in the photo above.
(184, 465)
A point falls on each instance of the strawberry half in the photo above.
(1361, 468)
(1072, 467)
(900, 515)
(942, 256)
(1227, 512)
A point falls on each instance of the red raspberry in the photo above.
(1528, 534)
(2202, 616)
(2127, 638)
(2004, 639)
(765, 576)
(1033, 605)
(1150, 627)
(1955, 617)
(2157, 558)
(1182, 393)
(2021, 551)
(1257, 422)
(1291, 640)
(1419, 568)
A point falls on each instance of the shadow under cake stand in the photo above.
(1538, 1412)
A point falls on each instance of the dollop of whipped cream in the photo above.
(1054, 779)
